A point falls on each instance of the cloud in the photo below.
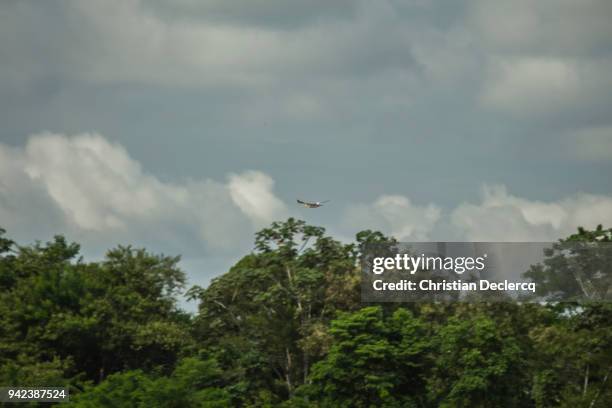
(317, 63)
(313, 92)
(543, 26)
(22, 206)
(544, 58)
(306, 62)
(355, 70)
(534, 84)
(136, 41)
(543, 86)
(100, 192)
(252, 192)
(501, 216)
(91, 188)
(396, 215)
(274, 13)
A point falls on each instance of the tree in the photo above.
(476, 365)
(194, 383)
(286, 327)
(575, 351)
(90, 318)
(576, 268)
(373, 361)
(271, 308)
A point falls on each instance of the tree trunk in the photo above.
(586, 381)
(306, 355)
(288, 368)
(601, 388)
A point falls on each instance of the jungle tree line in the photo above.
(285, 326)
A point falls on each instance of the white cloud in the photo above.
(501, 216)
(96, 183)
(252, 192)
(396, 215)
(99, 190)
(89, 187)
(22, 206)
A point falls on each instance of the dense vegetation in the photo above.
(284, 327)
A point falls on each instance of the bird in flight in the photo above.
(316, 204)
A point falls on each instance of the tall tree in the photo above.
(272, 307)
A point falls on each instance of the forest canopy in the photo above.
(285, 326)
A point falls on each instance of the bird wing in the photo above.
(312, 204)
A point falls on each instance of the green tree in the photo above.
(477, 365)
(194, 383)
(574, 351)
(576, 268)
(285, 327)
(270, 310)
(91, 318)
(373, 361)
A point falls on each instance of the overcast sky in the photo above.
(184, 126)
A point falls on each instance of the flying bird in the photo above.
(316, 204)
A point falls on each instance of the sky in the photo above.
(186, 126)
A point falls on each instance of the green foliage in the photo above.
(192, 384)
(577, 267)
(285, 327)
(25, 371)
(574, 357)
(271, 309)
(374, 361)
(92, 319)
(477, 365)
